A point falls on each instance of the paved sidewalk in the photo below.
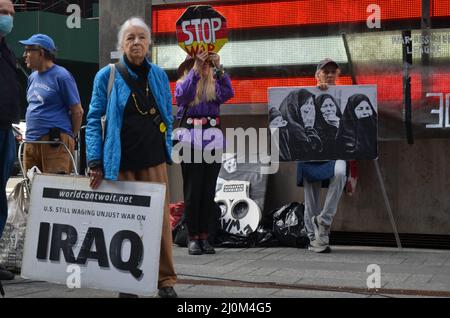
(287, 273)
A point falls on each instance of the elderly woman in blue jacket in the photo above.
(138, 110)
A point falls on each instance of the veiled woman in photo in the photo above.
(328, 122)
(358, 130)
(299, 111)
(276, 121)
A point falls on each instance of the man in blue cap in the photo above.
(313, 174)
(54, 110)
(9, 113)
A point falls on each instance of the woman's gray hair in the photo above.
(131, 22)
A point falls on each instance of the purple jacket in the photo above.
(185, 94)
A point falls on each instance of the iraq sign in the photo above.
(201, 27)
(107, 238)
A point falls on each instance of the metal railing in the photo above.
(22, 168)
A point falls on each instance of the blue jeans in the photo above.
(7, 156)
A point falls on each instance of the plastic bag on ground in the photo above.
(12, 241)
(289, 225)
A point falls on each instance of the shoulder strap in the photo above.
(112, 75)
(144, 101)
(122, 69)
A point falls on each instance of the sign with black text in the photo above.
(108, 238)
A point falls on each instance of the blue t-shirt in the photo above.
(50, 95)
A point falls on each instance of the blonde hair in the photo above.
(206, 88)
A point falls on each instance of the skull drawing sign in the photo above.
(240, 215)
(201, 26)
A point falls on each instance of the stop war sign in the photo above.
(201, 26)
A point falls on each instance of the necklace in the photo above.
(152, 110)
(137, 106)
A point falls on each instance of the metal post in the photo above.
(425, 25)
(349, 59)
(386, 202)
(375, 162)
(112, 14)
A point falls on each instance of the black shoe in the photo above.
(194, 248)
(206, 247)
(167, 292)
(6, 275)
(125, 295)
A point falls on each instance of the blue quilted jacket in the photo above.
(109, 152)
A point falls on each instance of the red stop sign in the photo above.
(201, 26)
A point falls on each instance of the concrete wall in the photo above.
(112, 14)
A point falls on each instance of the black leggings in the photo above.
(199, 188)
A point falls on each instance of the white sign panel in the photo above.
(109, 237)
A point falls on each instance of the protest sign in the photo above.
(201, 27)
(107, 238)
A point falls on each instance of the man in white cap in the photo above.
(312, 174)
(54, 110)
